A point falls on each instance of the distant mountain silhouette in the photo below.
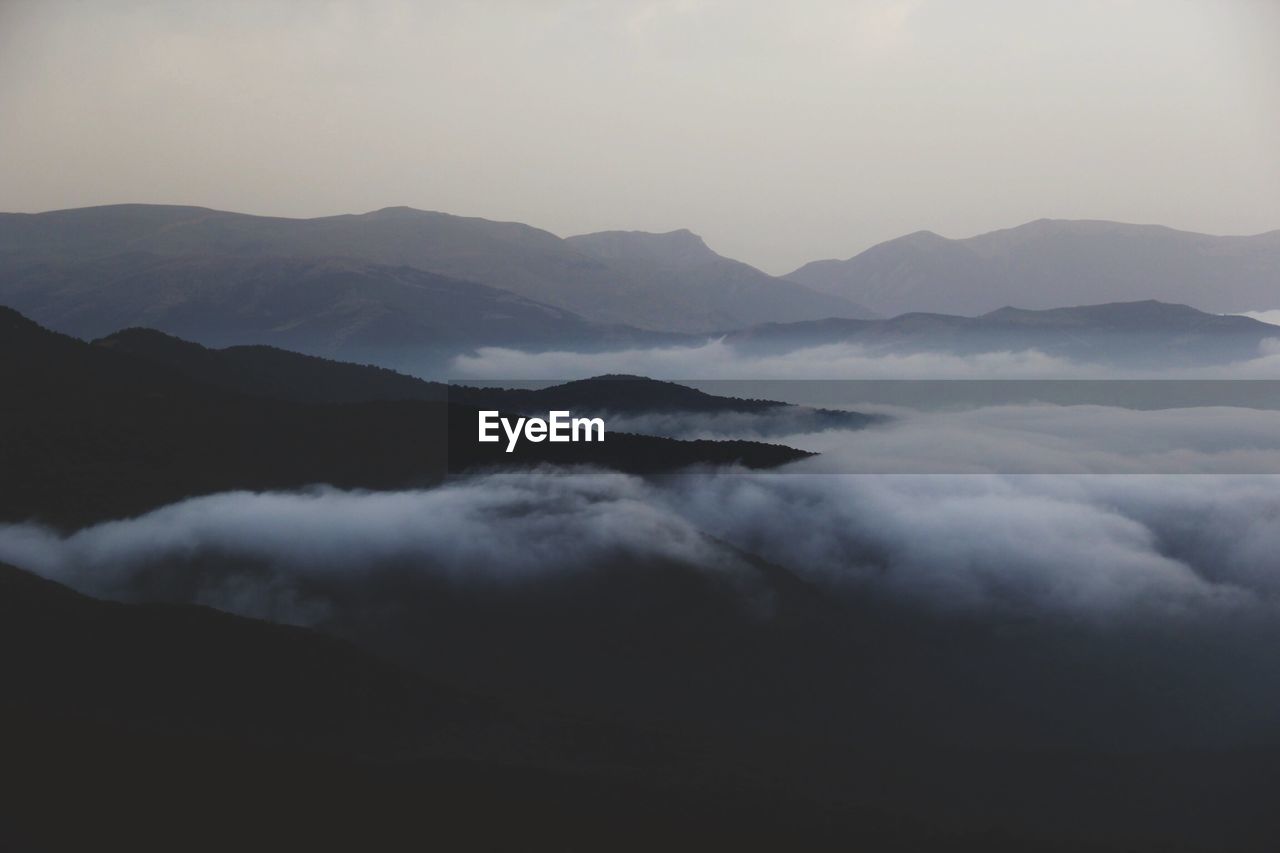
(89, 433)
(713, 292)
(50, 251)
(1135, 334)
(355, 310)
(1052, 263)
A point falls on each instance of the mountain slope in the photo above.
(282, 375)
(88, 433)
(720, 293)
(1134, 334)
(525, 260)
(182, 668)
(266, 371)
(394, 316)
(1051, 263)
(510, 256)
(136, 720)
(279, 374)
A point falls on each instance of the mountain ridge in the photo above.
(398, 316)
(88, 433)
(1048, 263)
(1144, 333)
(511, 256)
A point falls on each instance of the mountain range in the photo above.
(709, 292)
(1146, 334)
(89, 433)
(1056, 263)
(339, 308)
(50, 251)
(412, 290)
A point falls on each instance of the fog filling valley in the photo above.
(1096, 546)
(716, 359)
(1168, 510)
(1067, 576)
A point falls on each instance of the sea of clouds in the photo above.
(1103, 546)
(1143, 585)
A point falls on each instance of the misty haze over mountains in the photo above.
(414, 290)
(1124, 335)
(897, 626)
(549, 427)
(527, 261)
(1055, 264)
(395, 316)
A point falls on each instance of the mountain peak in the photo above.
(395, 210)
(672, 249)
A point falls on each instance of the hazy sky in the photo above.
(781, 132)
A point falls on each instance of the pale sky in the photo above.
(781, 132)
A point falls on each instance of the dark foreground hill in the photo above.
(88, 433)
(137, 723)
(279, 374)
(1122, 334)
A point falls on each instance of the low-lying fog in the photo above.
(1144, 585)
(1087, 509)
(719, 360)
(1098, 546)
(1032, 438)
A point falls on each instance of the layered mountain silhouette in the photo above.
(354, 310)
(49, 253)
(89, 432)
(412, 289)
(713, 291)
(1128, 334)
(271, 372)
(1052, 263)
(280, 374)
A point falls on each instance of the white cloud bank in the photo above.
(718, 360)
(1079, 544)
(1099, 547)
